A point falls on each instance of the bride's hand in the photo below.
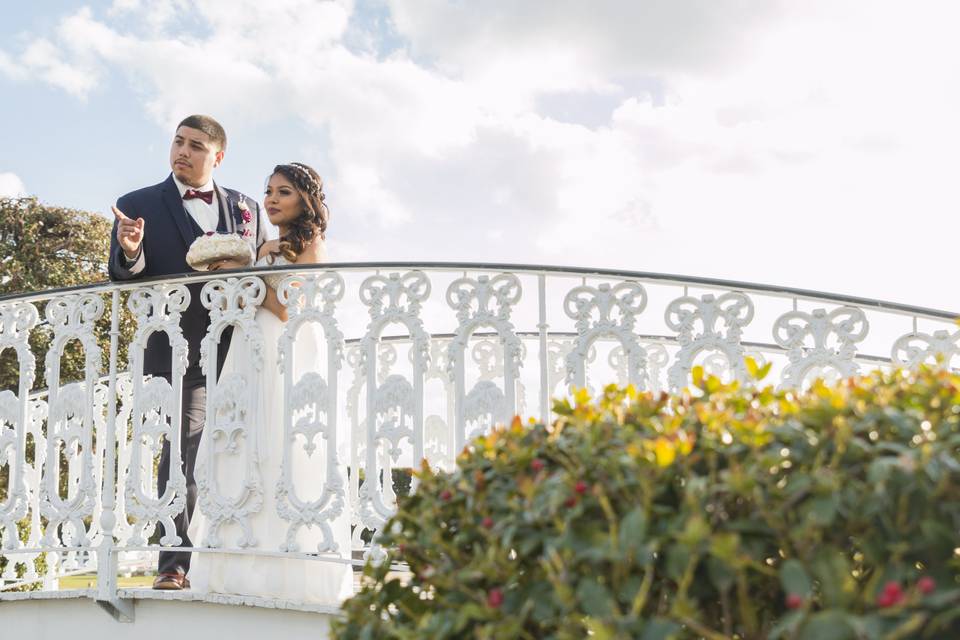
(270, 246)
(226, 264)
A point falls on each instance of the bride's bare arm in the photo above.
(270, 301)
(272, 304)
(312, 254)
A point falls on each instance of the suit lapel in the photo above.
(226, 223)
(174, 203)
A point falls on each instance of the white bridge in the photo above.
(418, 359)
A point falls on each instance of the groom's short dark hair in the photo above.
(209, 126)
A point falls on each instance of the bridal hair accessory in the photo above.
(212, 247)
(311, 183)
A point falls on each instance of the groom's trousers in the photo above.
(192, 418)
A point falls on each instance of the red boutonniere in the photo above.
(244, 219)
(245, 211)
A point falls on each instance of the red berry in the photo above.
(495, 598)
(401, 547)
(581, 487)
(891, 595)
(537, 465)
(570, 502)
(794, 601)
(926, 585)
(487, 522)
(446, 494)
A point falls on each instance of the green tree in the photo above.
(46, 247)
(49, 247)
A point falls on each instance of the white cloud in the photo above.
(704, 137)
(11, 186)
(64, 64)
(570, 44)
(10, 68)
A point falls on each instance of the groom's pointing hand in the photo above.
(129, 233)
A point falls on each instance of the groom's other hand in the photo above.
(129, 234)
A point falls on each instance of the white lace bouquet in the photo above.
(211, 247)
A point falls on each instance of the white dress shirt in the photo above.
(205, 215)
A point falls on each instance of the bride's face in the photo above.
(282, 201)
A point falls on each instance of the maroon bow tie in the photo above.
(206, 196)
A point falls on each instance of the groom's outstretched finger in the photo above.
(119, 214)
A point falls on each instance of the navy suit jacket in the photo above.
(168, 232)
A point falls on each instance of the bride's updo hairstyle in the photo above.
(313, 221)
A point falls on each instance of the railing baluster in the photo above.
(544, 355)
(613, 338)
(106, 557)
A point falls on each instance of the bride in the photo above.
(294, 202)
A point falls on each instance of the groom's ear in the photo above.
(218, 158)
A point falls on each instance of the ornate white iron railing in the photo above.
(448, 350)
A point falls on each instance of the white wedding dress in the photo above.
(298, 580)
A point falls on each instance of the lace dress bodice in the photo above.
(272, 279)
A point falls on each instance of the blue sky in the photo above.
(805, 144)
(86, 152)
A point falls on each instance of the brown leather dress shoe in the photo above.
(171, 582)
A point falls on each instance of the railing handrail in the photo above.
(531, 269)
(411, 360)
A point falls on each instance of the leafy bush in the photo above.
(721, 513)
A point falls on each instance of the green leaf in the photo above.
(593, 597)
(943, 597)
(827, 625)
(725, 546)
(832, 571)
(823, 510)
(752, 367)
(881, 468)
(677, 558)
(764, 371)
(633, 532)
(794, 578)
(787, 625)
(660, 629)
(598, 630)
(871, 627)
(468, 613)
(630, 588)
(722, 575)
(696, 531)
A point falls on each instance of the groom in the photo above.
(153, 229)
